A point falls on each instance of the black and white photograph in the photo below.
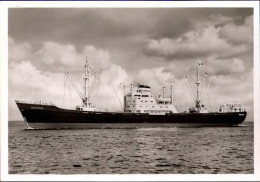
(110, 90)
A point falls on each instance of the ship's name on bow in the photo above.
(36, 107)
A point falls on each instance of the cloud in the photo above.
(215, 20)
(238, 34)
(218, 35)
(97, 57)
(195, 44)
(18, 52)
(156, 74)
(230, 66)
(56, 57)
(101, 26)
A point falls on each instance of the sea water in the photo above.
(212, 150)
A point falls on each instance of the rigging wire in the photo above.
(203, 85)
(94, 82)
(185, 99)
(177, 103)
(97, 89)
(208, 91)
(70, 97)
(99, 95)
(64, 85)
(119, 90)
(210, 94)
(191, 89)
(117, 96)
(184, 90)
(214, 95)
(69, 76)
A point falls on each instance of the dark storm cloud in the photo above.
(74, 26)
(125, 32)
(122, 31)
(230, 44)
(80, 26)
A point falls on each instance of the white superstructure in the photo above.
(232, 108)
(140, 100)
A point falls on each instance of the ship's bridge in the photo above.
(140, 100)
(143, 91)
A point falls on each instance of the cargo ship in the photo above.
(141, 109)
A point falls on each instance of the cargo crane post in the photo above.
(198, 106)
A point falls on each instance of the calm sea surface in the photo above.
(218, 150)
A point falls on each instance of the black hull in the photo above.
(52, 117)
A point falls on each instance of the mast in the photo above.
(198, 87)
(86, 83)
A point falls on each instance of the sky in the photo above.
(152, 46)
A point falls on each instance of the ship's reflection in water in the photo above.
(131, 151)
